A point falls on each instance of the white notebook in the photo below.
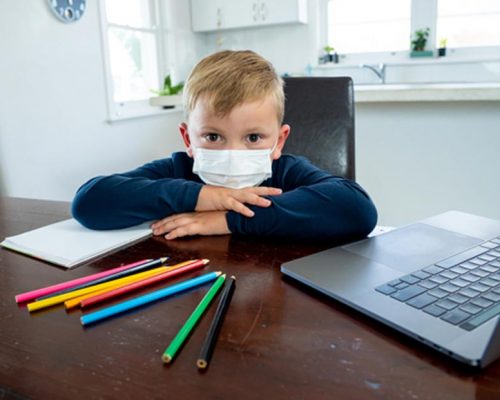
(67, 243)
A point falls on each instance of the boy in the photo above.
(233, 177)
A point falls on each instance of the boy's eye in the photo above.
(212, 137)
(253, 137)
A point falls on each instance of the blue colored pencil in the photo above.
(147, 298)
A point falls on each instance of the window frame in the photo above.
(118, 111)
(423, 14)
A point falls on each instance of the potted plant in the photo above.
(442, 47)
(330, 54)
(419, 42)
(169, 95)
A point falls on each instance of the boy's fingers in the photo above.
(236, 205)
(261, 201)
(163, 221)
(170, 223)
(253, 199)
(185, 227)
(176, 233)
(257, 201)
(189, 229)
(159, 229)
(266, 191)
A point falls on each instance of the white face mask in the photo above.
(234, 169)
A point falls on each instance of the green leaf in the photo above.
(167, 83)
(177, 88)
(168, 89)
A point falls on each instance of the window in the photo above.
(133, 45)
(360, 26)
(132, 42)
(469, 23)
(382, 30)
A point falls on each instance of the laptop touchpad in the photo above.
(413, 247)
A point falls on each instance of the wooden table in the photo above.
(280, 340)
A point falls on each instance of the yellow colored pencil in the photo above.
(51, 301)
(74, 302)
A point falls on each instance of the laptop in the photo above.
(437, 280)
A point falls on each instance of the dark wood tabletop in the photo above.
(280, 339)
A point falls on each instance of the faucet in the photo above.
(379, 70)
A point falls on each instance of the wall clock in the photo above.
(68, 10)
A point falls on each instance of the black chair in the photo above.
(320, 111)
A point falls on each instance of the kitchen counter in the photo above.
(427, 92)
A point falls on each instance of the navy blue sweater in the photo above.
(314, 204)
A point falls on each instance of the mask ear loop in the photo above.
(273, 148)
(193, 149)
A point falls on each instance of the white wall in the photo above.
(53, 134)
(420, 159)
(415, 159)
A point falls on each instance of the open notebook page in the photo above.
(67, 243)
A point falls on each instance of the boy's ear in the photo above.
(283, 136)
(183, 129)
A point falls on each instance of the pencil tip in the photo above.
(201, 364)
(206, 261)
(233, 277)
(166, 358)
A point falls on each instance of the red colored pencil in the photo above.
(143, 283)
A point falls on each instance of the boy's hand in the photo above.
(189, 224)
(213, 198)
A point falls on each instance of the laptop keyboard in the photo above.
(463, 290)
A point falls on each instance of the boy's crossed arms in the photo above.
(209, 217)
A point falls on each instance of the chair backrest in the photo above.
(320, 111)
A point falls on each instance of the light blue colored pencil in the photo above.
(147, 298)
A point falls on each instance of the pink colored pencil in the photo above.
(98, 298)
(34, 294)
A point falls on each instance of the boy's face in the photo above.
(249, 126)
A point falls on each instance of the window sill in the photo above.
(417, 72)
(427, 92)
(408, 62)
(154, 111)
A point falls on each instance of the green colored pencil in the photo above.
(183, 333)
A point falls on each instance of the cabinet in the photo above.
(212, 15)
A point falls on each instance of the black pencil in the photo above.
(139, 268)
(213, 332)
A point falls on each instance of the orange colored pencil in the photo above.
(51, 301)
(75, 301)
(98, 298)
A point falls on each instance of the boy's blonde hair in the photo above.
(227, 79)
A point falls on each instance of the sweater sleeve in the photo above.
(153, 191)
(314, 206)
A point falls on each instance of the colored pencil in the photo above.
(213, 332)
(109, 294)
(191, 322)
(147, 298)
(33, 294)
(76, 301)
(51, 301)
(139, 268)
